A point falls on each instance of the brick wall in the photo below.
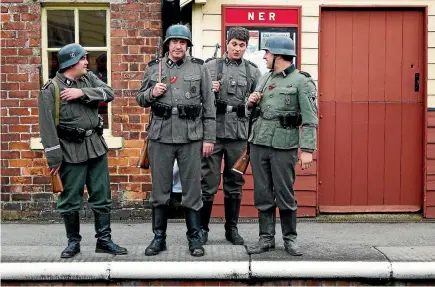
(25, 188)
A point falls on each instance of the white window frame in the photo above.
(112, 142)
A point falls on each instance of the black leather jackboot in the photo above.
(159, 224)
(193, 232)
(267, 221)
(72, 226)
(205, 213)
(289, 234)
(103, 235)
(232, 210)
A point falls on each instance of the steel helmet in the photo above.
(70, 55)
(178, 32)
(280, 45)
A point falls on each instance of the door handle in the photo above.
(417, 82)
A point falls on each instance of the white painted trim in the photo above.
(73, 271)
(111, 141)
(413, 270)
(55, 271)
(180, 270)
(320, 269)
(184, 3)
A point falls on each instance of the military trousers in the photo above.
(230, 150)
(94, 173)
(274, 174)
(162, 157)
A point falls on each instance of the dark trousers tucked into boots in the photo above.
(103, 233)
(159, 224)
(267, 221)
(289, 234)
(72, 226)
(193, 232)
(205, 214)
(232, 210)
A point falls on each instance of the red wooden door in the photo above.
(371, 116)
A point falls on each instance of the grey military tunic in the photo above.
(188, 83)
(81, 113)
(237, 80)
(81, 163)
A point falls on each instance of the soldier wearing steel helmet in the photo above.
(182, 127)
(72, 137)
(287, 122)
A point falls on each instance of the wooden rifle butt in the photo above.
(144, 161)
(56, 183)
(242, 163)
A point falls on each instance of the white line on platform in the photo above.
(55, 271)
(77, 271)
(413, 270)
(320, 269)
(179, 270)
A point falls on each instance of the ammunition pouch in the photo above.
(290, 120)
(162, 110)
(222, 108)
(256, 111)
(73, 134)
(190, 112)
(241, 111)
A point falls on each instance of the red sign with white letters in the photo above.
(263, 16)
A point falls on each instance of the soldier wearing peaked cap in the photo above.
(234, 79)
(72, 136)
(287, 101)
(182, 127)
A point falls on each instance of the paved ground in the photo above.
(320, 241)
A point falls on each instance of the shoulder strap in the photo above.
(56, 101)
(220, 68)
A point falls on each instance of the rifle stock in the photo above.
(56, 183)
(242, 162)
(144, 161)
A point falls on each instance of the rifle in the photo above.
(56, 182)
(144, 161)
(243, 161)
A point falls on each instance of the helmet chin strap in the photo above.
(273, 62)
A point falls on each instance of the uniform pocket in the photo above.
(155, 129)
(285, 138)
(192, 86)
(289, 95)
(194, 130)
(241, 89)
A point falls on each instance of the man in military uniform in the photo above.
(182, 127)
(72, 136)
(234, 79)
(286, 99)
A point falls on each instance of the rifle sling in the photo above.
(56, 101)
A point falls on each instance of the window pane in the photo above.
(92, 28)
(53, 64)
(60, 28)
(97, 63)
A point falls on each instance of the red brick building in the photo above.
(31, 34)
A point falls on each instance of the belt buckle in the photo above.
(89, 132)
(229, 109)
(174, 111)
